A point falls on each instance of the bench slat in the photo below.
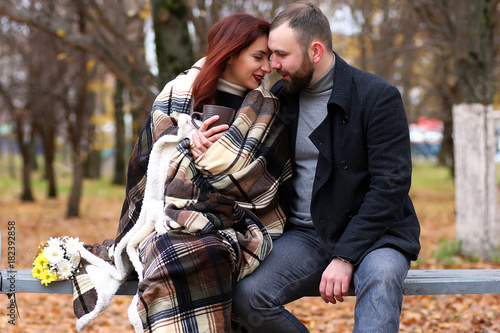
(452, 281)
(418, 282)
(22, 281)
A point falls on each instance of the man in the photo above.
(351, 221)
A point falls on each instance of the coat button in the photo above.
(344, 165)
(349, 213)
(345, 119)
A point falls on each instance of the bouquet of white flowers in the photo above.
(57, 259)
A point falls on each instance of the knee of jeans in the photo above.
(386, 259)
(382, 274)
(249, 296)
(387, 274)
(251, 306)
(244, 296)
(374, 283)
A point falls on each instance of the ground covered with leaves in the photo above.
(433, 195)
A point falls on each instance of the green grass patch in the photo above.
(448, 251)
(427, 177)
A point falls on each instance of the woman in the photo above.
(203, 214)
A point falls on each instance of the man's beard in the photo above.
(300, 79)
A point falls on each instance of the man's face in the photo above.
(289, 60)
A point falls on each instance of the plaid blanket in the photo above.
(190, 228)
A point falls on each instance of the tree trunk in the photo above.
(12, 154)
(50, 155)
(33, 151)
(78, 128)
(475, 52)
(27, 158)
(446, 156)
(76, 189)
(76, 158)
(119, 172)
(47, 132)
(478, 228)
(92, 166)
(49, 149)
(446, 91)
(174, 50)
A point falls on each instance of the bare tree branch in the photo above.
(116, 55)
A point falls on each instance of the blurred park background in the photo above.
(78, 79)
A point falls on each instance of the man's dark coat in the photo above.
(360, 198)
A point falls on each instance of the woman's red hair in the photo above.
(228, 37)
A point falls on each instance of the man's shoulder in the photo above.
(357, 76)
(362, 77)
(354, 84)
(367, 80)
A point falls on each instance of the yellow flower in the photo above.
(37, 271)
(41, 260)
(41, 270)
(47, 278)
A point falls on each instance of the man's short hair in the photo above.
(308, 22)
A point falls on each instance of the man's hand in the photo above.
(204, 139)
(335, 281)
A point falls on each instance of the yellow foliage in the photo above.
(90, 64)
(60, 33)
(399, 39)
(62, 56)
(145, 12)
(99, 86)
(94, 85)
(496, 101)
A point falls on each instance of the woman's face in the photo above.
(248, 68)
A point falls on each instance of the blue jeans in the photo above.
(294, 269)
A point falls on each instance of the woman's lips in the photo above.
(258, 78)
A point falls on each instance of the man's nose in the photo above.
(275, 64)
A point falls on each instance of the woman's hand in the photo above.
(204, 139)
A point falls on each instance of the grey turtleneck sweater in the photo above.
(312, 111)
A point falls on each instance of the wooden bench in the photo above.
(418, 282)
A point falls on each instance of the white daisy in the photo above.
(73, 245)
(75, 260)
(54, 254)
(65, 269)
(55, 242)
